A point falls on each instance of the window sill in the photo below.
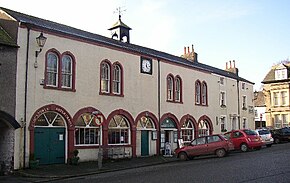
(111, 94)
(172, 101)
(60, 89)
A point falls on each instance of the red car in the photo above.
(245, 139)
(212, 144)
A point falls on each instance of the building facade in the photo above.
(276, 91)
(260, 109)
(92, 93)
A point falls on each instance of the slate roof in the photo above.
(5, 38)
(259, 99)
(36, 22)
(270, 76)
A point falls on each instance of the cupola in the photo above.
(120, 31)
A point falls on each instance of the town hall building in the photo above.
(64, 89)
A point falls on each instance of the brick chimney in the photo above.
(189, 55)
(231, 67)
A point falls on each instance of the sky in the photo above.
(254, 33)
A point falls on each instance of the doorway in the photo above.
(144, 143)
(49, 145)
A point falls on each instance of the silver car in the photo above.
(266, 136)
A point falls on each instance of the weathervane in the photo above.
(119, 11)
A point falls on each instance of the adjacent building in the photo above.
(71, 89)
(260, 109)
(276, 91)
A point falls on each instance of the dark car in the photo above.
(212, 144)
(282, 134)
(245, 139)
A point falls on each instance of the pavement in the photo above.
(46, 173)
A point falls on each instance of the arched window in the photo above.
(119, 130)
(66, 71)
(197, 92)
(169, 88)
(86, 130)
(187, 131)
(203, 128)
(145, 123)
(59, 71)
(204, 94)
(105, 77)
(116, 79)
(52, 70)
(50, 119)
(177, 89)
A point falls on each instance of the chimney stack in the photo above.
(189, 55)
(232, 69)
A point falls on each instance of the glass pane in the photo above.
(41, 121)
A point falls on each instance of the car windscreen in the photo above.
(263, 132)
(250, 132)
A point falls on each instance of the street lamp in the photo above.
(40, 40)
(97, 116)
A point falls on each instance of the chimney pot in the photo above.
(184, 50)
(226, 65)
(188, 49)
(230, 64)
(234, 62)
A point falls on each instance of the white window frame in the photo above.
(284, 98)
(284, 120)
(170, 88)
(117, 79)
(188, 122)
(222, 98)
(52, 71)
(177, 90)
(66, 73)
(105, 77)
(244, 102)
(276, 99)
(223, 122)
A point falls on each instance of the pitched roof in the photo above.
(119, 23)
(32, 21)
(5, 38)
(259, 99)
(270, 76)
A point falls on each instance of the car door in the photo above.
(198, 147)
(213, 143)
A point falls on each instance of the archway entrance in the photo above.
(168, 140)
(50, 138)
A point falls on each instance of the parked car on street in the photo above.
(282, 134)
(212, 144)
(266, 136)
(245, 139)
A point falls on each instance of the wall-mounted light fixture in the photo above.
(40, 40)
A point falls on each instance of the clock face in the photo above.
(146, 66)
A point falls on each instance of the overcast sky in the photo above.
(254, 33)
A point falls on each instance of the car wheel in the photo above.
(220, 153)
(244, 147)
(277, 141)
(183, 156)
(269, 145)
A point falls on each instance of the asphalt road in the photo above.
(265, 165)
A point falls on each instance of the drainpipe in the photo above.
(159, 128)
(25, 97)
(238, 91)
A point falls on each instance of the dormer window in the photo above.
(281, 72)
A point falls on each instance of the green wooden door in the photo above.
(49, 145)
(144, 143)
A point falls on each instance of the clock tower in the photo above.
(120, 31)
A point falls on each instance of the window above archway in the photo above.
(50, 119)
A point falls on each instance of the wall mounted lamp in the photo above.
(40, 40)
